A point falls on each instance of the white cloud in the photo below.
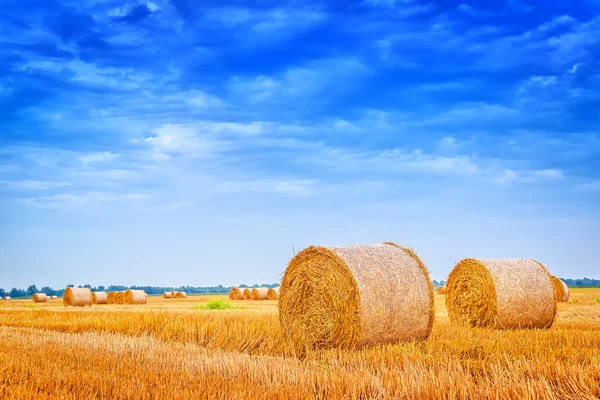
(204, 100)
(589, 187)
(99, 157)
(32, 185)
(78, 200)
(551, 174)
(277, 21)
(296, 188)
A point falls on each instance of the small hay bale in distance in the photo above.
(135, 297)
(7, 298)
(54, 297)
(173, 294)
(99, 298)
(236, 294)
(120, 298)
(259, 293)
(354, 296)
(167, 295)
(561, 290)
(441, 290)
(273, 293)
(501, 293)
(248, 294)
(180, 295)
(110, 299)
(77, 297)
(39, 297)
(565, 297)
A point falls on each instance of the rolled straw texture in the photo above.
(501, 293)
(135, 297)
(247, 294)
(236, 294)
(441, 290)
(273, 294)
(77, 297)
(565, 297)
(110, 299)
(355, 296)
(181, 295)
(259, 293)
(120, 298)
(559, 289)
(39, 297)
(167, 295)
(99, 298)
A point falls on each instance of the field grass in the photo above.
(171, 349)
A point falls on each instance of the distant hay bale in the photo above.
(135, 297)
(99, 298)
(173, 294)
(167, 295)
(273, 293)
(180, 295)
(77, 297)
(54, 297)
(259, 293)
(236, 294)
(354, 296)
(7, 298)
(565, 297)
(560, 289)
(441, 290)
(110, 299)
(120, 298)
(39, 297)
(501, 293)
(248, 294)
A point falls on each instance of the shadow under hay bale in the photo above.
(77, 297)
(354, 296)
(501, 293)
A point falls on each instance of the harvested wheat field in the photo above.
(167, 349)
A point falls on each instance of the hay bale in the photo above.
(354, 296)
(259, 293)
(54, 297)
(247, 294)
(7, 298)
(501, 293)
(565, 297)
(110, 299)
(167, 295)
(561, 290)
(273, 293)
(99, 298)
(173, 294)
(120, 298)
(236, 294)
(441, 290)
(180, 295)
(39, 297)
(135, 297)
(77, 297)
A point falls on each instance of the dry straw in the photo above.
(259, 293)
(565, 297)
(247, 294)
(354, 296)
(135, 297)
(173, 294)
(236, 294)
(99, 298)
(110, 299)
(40, 297)
(441, 290)
(180, 295)
(167, 295)
(501, 293)
(120, 298)
(77, 297)
(54, 297)
(7, 298)
(561, 290)
(273, 294)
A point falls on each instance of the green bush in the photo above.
(215, 304)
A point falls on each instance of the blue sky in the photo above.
(163, 143)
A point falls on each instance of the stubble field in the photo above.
(169, 349)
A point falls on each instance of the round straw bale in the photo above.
(110, 299)
(259, 293)
(167, 295)
(54, 297)
(173, 294)
(135, 297)
(273, 293)
(7, 298)
(247, 294)
(441, 290)
(77, 297)
(501, 293)
(559, 289)
(565, 297)
(236, 294)
(354, 296)
(99, 298)
(39, 297)
(120, 298)
(180, 295)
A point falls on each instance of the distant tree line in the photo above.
(15, 293)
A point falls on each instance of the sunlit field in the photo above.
(171, 349)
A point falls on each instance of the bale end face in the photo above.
(273, 294)
(77, 297)
(259, 293)
(236, 294)
(39, 297)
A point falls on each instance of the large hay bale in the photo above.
(77, 297)
(99, 298)
(39, 297)
(167, 295)
(135, 297)
(565, 297)
(110, 299)
(236, 294)
(120, 298)
(501, 293)
(354, 296)
(259, 293)
(441, 290)
(248, 294)
(273, 293)
(180, 295)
